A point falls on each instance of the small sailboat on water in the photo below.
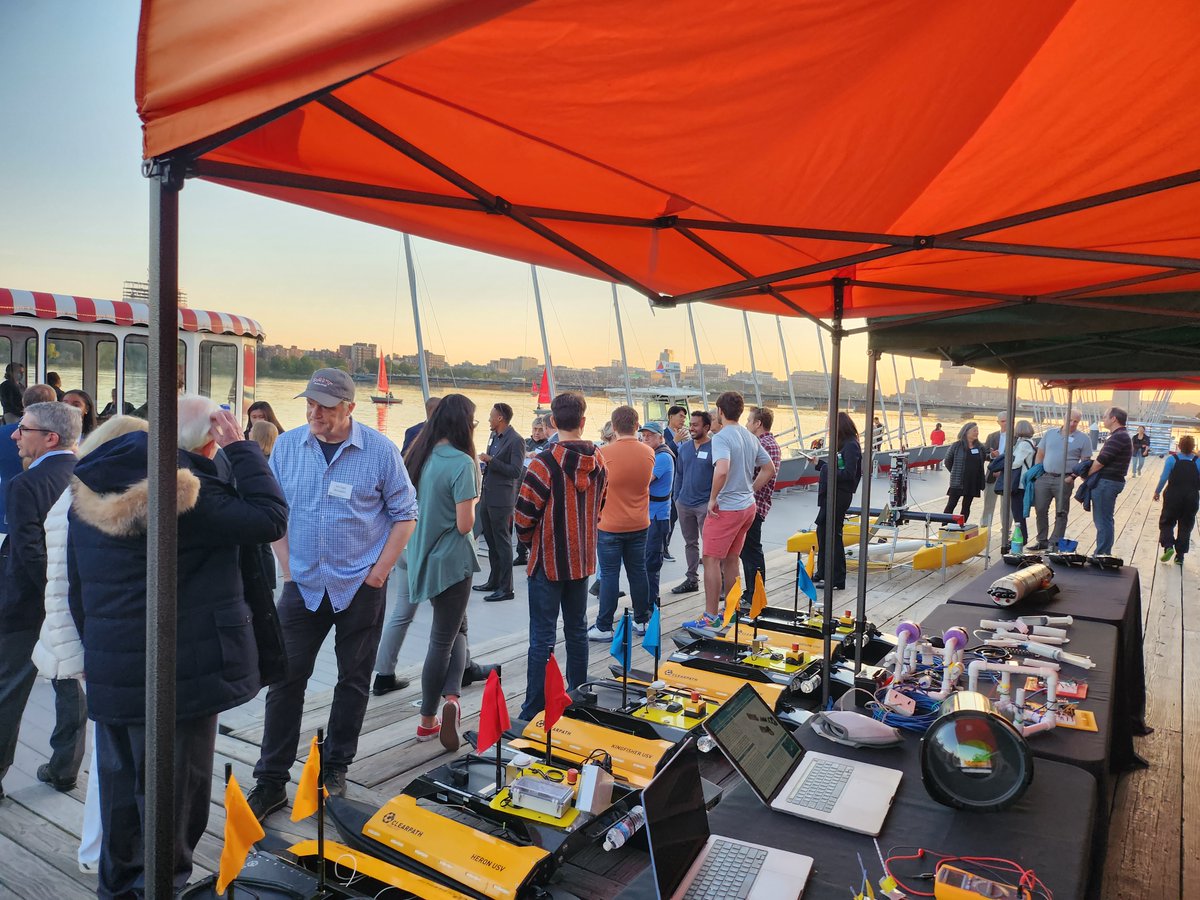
(385, 395)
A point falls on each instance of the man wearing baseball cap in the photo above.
(661, 481)
(352, 511)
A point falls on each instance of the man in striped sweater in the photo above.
(556, 515)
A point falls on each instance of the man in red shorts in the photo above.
(731, 509)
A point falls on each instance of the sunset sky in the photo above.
(75, 221)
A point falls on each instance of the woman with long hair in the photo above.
(441, 556)
(1141, 449)
(260, 411)
(964, 462)
(849, 473)
(1024, 454)
(264, 434)
(82, 401)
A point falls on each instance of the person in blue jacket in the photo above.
(1181, 479)
(217, 657)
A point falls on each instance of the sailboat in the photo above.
(385, 390)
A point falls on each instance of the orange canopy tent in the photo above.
(828, 159)
(935, 155)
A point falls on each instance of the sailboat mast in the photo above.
(787, 376)
(753, 367)
(621, 341)
(699, 364)
(537, 299)
(422, 363)
(824, 365)
(917, 399)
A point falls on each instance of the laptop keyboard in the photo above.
(728, 871)
(822, 786)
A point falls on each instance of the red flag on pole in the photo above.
(556, 694)
(493, 717)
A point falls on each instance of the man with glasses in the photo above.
(1047, 486)
(1111, 464)
(352, 509)
(45, 437)
(11, 464)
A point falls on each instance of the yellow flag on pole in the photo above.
(305, 803)
(759, 602)
(241, 831)
(732, 599)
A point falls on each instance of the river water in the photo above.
(393, 420)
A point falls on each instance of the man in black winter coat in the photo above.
(217, 661)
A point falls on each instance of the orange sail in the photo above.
(544, 389)
(382, 382)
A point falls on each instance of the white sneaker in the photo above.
(599, 634)
(639, 628)
(90, 868)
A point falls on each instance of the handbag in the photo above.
(268, 632)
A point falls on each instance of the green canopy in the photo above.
(1153, 335)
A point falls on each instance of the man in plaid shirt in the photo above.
(759, 424)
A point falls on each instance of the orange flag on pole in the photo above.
(305, 803)
(732, 599)
(556, 694)
(759, 602)
(241, 831)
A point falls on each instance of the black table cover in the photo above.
(1048, 830)
(1113, 597)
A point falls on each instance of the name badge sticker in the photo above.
(340, 489)
(975, 450)
(702, 454)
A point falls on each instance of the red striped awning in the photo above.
(45, 305)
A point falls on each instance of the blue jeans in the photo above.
(615, 548)
(656, 541)
(1138, 461)
(1104, 502)
(546, 599)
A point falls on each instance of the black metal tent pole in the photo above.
(831, 454)
(166, 181)
(1006, 522)
(860, 612)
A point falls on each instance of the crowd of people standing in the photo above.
(336, 508)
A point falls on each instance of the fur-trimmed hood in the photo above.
(111, 491)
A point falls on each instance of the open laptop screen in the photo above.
(749, 733)
(676, 820)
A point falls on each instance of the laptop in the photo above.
(689, 863)
(817, 786)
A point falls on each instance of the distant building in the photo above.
(514, 365)
(432, 360)
(712, 371)
(359, 355)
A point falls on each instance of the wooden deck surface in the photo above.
(1154, 844)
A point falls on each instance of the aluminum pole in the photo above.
(412, 290)
(860, 613)
(887, 428)
(787, 374)
(166, 181)
(1010, 436)
(699, 364)
(917, 399)
(832, 525)
(900, 427)
(753, 367)
(621, 341)
(537, 299)
(824, 364)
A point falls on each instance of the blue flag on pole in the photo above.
(806, 585)
(619, 649)
(652, 639)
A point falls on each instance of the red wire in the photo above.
(1027, 879)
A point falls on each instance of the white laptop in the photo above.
(851, 795)
(688, 862)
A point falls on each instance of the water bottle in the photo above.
(1018, 541)
(624, 829)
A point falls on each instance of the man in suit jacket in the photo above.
(46, 437)
(994, 447)
(503, 468)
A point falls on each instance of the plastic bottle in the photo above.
(625, 828)
(1018, 541)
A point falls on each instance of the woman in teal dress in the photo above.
(441, 556)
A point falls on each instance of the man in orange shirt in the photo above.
(624, 521)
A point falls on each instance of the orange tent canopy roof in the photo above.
(738, 153)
